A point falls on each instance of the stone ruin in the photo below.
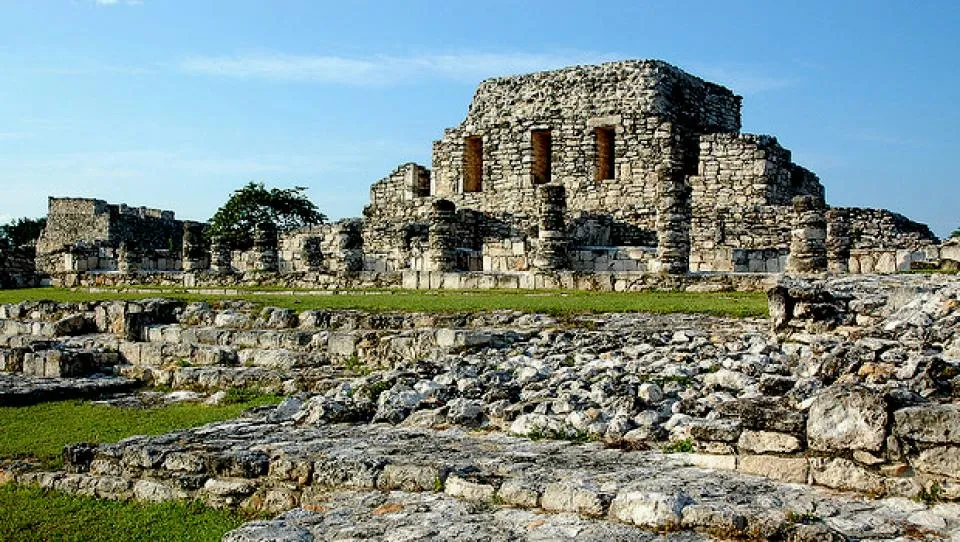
(609, 171)
(836, 419)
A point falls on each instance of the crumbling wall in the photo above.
(84, 234)
(606, 134)
(17, 268)
(741, 197)
(648, 105)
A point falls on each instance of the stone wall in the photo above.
(81, 235)
(607, 134)
(17, 268)
(651, 108)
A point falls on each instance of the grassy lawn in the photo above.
(32, 514)
(41, 431)
(560, 303)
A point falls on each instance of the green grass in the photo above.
(41, 431)
(554, 302)
(33, 514)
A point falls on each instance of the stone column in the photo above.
(311, 253)
(128, 258)
(808, 247)
(838, 241)
(552, 235)
(673, 223)
(265, 248)
(220, 257)
(442, 236)
(194, 257)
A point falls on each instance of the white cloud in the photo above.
(740, 79)
(381, 70)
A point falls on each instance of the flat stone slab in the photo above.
(21, 390)
(255, 464)
(397, 515)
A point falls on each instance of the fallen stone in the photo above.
(847, 418)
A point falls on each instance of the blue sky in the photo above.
(174, 104)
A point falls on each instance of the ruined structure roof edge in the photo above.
(616, 64)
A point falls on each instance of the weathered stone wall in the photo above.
(650, 106)
(17, 268)
(558, 127)
(883, 229)
(82, 233)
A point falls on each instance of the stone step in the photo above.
(211, 378)
(269, 466)
(56, 360)
(382, 345)
(22, 390)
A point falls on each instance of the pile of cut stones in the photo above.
(837, 418)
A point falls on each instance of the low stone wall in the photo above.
(588, 281)
(17, 268)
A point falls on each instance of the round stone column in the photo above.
(808, 239)
(194, 256)
(553, 252)
(265, 248)
(673, 224)
(442, 236)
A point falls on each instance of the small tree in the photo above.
(956, 233)
(22, 231)
(288, 208)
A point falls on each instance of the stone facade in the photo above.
(84, 235)
(650, 159)
(17, 268)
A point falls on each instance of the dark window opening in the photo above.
(540, 168)
(421, 185)
(605, 154)
(473, 165)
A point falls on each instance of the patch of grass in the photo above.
(805, 518)
(679, 446)
(41, 431)
(931, 495)
(683, 380)
(33, 514)
(355, 366)
(248, 396)
(554, 302)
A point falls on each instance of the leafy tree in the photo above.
(288, 208)
(956, 233)
(22, 231)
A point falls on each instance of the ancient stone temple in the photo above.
(655, 171)
(625, 169)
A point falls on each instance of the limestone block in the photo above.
(840, 473)
(461, 488)
(342, 344)
(650, 509)
(933, 423)
(786, 469)
(412, 478)
(944, 460)
(767, 441)
(847, 418)
(519, 493)
(584, 498)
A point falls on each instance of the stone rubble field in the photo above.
(837, 418)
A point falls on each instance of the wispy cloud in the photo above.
(15, 136)
(381, 70)
(869, 136)
(742, 80)
(118, 2)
